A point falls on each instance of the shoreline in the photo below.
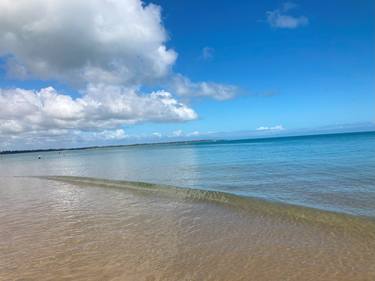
(184, 142)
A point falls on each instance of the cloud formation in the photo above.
(272, 128)
(280, 18)
(184, 87)
(107, 50)
(101, 107)
(116, 42)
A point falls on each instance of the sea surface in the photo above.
(329, 172)
(293, 208)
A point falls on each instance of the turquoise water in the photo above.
(329, 172)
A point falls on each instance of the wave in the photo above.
(346, 222)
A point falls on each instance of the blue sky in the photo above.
(301, 64)
(320, 74)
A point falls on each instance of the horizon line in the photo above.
(263, 137)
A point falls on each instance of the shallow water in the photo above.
(331, 172)
(57, 230)
(300, 208)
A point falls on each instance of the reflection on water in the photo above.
(55, 230)
(66, 230)
(333, 172)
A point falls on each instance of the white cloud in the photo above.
(280, 19)
(107, 50)
(184, 87)
(272, 128)
(59, 138)
(193, 134)
(93, 136)
(180, 133)
(100, 107)
(157, 134)
(117, 134)
(177, 133)
(117, 41)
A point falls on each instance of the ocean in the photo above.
(330, 172)
(193, 211)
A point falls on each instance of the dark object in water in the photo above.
(39, 157)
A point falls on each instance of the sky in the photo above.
(97, 72)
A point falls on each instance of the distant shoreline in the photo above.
(5, 152)
(97, 146)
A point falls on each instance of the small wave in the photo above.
(362, 225)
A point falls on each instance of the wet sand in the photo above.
(59, 230)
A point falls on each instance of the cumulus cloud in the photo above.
(117, 41)
(272, 128)
(117, 134)
(100, 107)
(280, 18)
(58, 138)
(184, 87)
(107, 50)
